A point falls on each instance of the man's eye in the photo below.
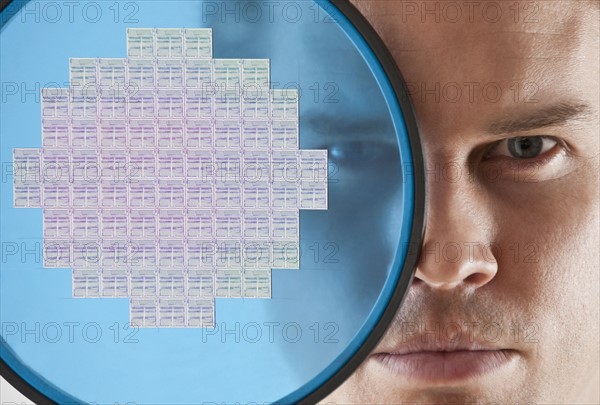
(524, 147)
(528, 159)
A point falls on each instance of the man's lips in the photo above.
(443, 363)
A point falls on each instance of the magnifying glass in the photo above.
(202, 202)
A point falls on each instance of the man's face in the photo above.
(506, 95)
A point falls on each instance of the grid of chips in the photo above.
(170, 178)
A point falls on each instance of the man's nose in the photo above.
(456, 249)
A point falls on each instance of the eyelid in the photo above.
(503, 145)
(548, 165)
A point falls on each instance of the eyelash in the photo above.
(497, 145)
(526, 169)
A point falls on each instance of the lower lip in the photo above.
(444, 367)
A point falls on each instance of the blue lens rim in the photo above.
(396, 94)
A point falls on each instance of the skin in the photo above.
(540, 282)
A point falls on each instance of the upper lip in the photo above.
(430, 343)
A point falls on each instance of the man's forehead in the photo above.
(469, 63)
(488, 11)
(432, 25)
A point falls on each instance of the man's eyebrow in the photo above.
(555, 114)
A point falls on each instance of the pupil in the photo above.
(525, 148)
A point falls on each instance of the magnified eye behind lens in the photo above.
(363, 152)
(173, 231)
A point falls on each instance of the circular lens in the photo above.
(203, 202)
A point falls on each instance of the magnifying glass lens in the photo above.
(203, 202)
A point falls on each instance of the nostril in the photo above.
(477, 278)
